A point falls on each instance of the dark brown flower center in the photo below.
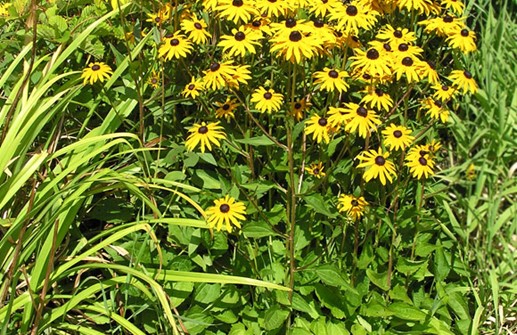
(316, 171)
(169, 35)
(351, 10)
(191, 86)
(290, 22)
(397, 33)
(447, 19)
(372, 54)
(423, 153)
(361, 111)
(198, 25)
(295, 36)
(256, 24)
(318, 23)
(379, 92)
(239, 36)
(237, 3)
(445, 88)
(203, 130)
(397, 133)
(96, 67)
(333, 74)
(422, 161)
(154, 80)
(214, 67)
(386, 46)
(380, 160)
(467, 74)
(297, 105)
(407, 61)
(157, 19)
(438, 103)
(366, 76)
(403, 47)
(464, 32)
(224, 208)
(174, 42)
(322, 122)
(354, 203)
(268, 95)
(226, 107)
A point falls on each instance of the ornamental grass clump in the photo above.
(309, 140)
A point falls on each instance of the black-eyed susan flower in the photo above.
(205, 135)
(421, 6)
(226, 213)
(442, 26)
(196, 30)
(443, 92)
(294, 47)
(272, 9)
(397, 137)
(260, 24)
(323, 32)
(376, 97)
(471, 172)
(321, 8)
(193, 88)
(360, 118)
(353, 16)
(4, 9)
(463, 39)
(331, 80)
(267, 100)
(408, 67)
(316, 170)
(406, 50)
(337, 116)
(420, 165)
(353, 206)
(163, 15)
(218, 74)
(436, 109)
(464, 81)
(426, 70)
(396, 36)
(237, 10)
(285, 28)
(241, 41)
(176, 46)
(319, 127)
(456, 6)
(298, 108)
(225, 109)
(377, 165)
(154, 79)
(97, 71)
(241, 75)
(372, 62)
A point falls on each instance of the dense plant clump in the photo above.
(249, 167)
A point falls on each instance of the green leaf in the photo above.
(336, 329)
(332, 299)
(399, 293)
(299, 331)
(316, 202)
(207, 293)
(275, 317)
(406, 312)
(257, 229)
(379, 279)
(300, 304)
(331, 275)
(209, 179)
(256, 141)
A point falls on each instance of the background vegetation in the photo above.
(103, 230)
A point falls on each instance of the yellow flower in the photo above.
(218, 74)
(377, 165)
(372, 62)
(352, 205)
(204, 135)
(463, 39)
(316, 170)
(463, 81)
(419, 165)
(176, 46)
(377, 98)
(192, 89)
(196, 30)
(237, 10)
(225, 109)
(241, 42)
(397, 137)
(436, 109)
(360, 118)
(331, 79)
(267, 100)
(294, 47)
(319, 128)
(97, 71)
(226, 212)
(154, 79)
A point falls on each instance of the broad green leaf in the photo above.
(275, 317)
(406, 312)
(379, 279)
(262, 140)
(316, 202)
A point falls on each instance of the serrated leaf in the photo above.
(316, 202)
(275, 317)
(379, 279)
